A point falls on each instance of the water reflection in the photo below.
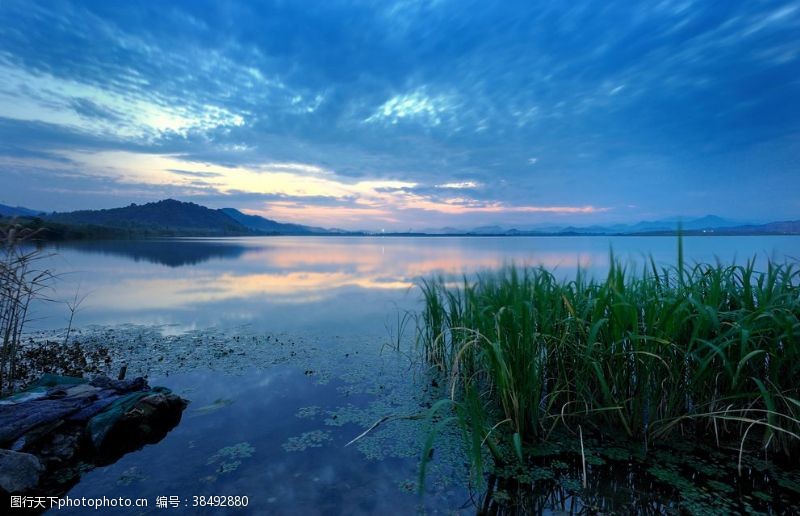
(325, 283)
(240, 448)
(172, 253)
(240, 436)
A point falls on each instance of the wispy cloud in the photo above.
(135, 114)
(459, 185)
(463, 112)
(416, 106)
(193, 173)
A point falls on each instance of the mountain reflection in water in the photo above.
(325, 284)
(172, 253)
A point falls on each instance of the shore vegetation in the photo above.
(707, 352)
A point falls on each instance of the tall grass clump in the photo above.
(707, 351)
(20, 283)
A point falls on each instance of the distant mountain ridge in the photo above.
(167, 216)
(269, 226)
(182, 218)
(17, 211)
(176, 218)
(670, 224)
(786, 227)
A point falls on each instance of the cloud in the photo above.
(614, 104)
(88, 109)
(192, 173)
(137, 114)
(416, 106)
(459, 185)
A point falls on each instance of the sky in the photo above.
(405, 115)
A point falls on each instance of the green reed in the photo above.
(707, 351)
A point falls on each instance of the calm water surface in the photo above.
(325, 284)
(272, 424)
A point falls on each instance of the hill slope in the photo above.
(17, 211)
(264, 225)
(162, 217)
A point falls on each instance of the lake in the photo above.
(325, 284)
(282, 344)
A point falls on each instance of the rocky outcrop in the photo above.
(59, 423)
(19, 472)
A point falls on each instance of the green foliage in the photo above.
(710, 351)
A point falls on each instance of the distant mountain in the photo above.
(17, 211)
(447, 230)
(163, 218)
(647, 226)
(787, 227)
(175, 218)
(706, 222)
(269, 226)
(712, 221)
(168, 217)
(709, 224)
(489, 230)
(158, 219)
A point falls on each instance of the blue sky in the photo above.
(410, 114)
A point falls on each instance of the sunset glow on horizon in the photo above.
(405, 115)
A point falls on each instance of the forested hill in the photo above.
(269, 226)
(171, 218)
(156, 219)
(163, 217)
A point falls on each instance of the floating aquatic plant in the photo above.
(312, 439)
(230, 458)
(308, 412)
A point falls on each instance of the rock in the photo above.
(148, 421)
(62, 447)
(78, 424)
(19, 472)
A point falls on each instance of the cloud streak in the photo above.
(464, 113)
